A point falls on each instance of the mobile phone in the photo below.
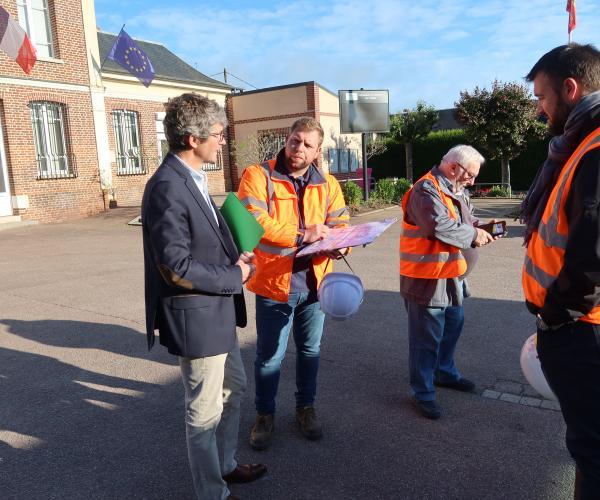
(497, 228)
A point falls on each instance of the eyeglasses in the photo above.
(467, 175)
(218, 135)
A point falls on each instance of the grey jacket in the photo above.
(426, 209)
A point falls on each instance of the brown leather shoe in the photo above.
(262, 432)
(309, 425)
(245, 473)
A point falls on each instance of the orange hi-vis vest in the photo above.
(270, 196)
(546, 250)
(422, 255)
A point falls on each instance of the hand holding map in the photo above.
(352, 236)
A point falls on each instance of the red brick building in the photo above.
(75, 132)
(48, 172)
(80, 132)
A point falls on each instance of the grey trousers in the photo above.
(213, 390)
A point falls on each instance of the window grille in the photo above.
(53, 160)
(34, 18)
(210, 167)
(127, 140)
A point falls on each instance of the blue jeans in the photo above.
(274, 320)
(432, 336)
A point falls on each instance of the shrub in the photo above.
(402, 186)
(352, 193)
(384, 190)
(500, 191)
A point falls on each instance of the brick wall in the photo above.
(66, 20)
(130, 188)
(51, 200)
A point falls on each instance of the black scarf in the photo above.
(560, 149)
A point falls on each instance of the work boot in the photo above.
(262, 432)
(429, 409)
(309, 425)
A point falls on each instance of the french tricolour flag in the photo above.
(15, 42)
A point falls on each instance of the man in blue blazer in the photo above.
(194, 279)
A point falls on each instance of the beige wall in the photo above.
(329, 109)
(273, 103)
(123, 87)
(279, 105)
(328, 102)
(245, 129)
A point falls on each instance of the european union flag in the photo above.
(129, 55)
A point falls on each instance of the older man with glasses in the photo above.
(437, 248)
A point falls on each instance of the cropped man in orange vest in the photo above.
(296, 203)
(438, 232)
(561, 273)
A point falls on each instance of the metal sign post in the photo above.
(365, 172)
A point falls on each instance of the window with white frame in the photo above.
(48, 122)
(34, 18)
(127, 140)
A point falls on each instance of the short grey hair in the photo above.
(190, 114)
(463, 155)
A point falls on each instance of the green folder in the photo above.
(245, 229)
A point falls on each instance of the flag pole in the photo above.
(106, 56)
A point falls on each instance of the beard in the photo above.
(556, 123)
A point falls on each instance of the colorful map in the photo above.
(353, 236)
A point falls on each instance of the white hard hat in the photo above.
(340, 295)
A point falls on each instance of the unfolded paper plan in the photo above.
(352, 236)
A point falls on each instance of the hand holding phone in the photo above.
(496, 228)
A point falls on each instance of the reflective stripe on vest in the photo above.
(273, 250)
(546, 249)
(270, 187)
(422, 256)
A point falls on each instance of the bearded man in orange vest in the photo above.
(296, 202)
(437, 247)
(561, 273)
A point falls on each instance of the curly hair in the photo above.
(190, 114)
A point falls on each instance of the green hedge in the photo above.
(428, 152)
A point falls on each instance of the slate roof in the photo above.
(167, 66)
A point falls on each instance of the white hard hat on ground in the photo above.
(340, 295)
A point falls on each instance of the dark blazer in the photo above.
(194, 294)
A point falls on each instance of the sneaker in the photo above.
(309, 425)
(262, 432)
(429, 409)
(462, 384)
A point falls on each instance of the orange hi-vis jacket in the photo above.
(421, 254)
(270, 196)
(546, 250)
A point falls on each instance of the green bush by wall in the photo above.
(428, 152)
(352, 193)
